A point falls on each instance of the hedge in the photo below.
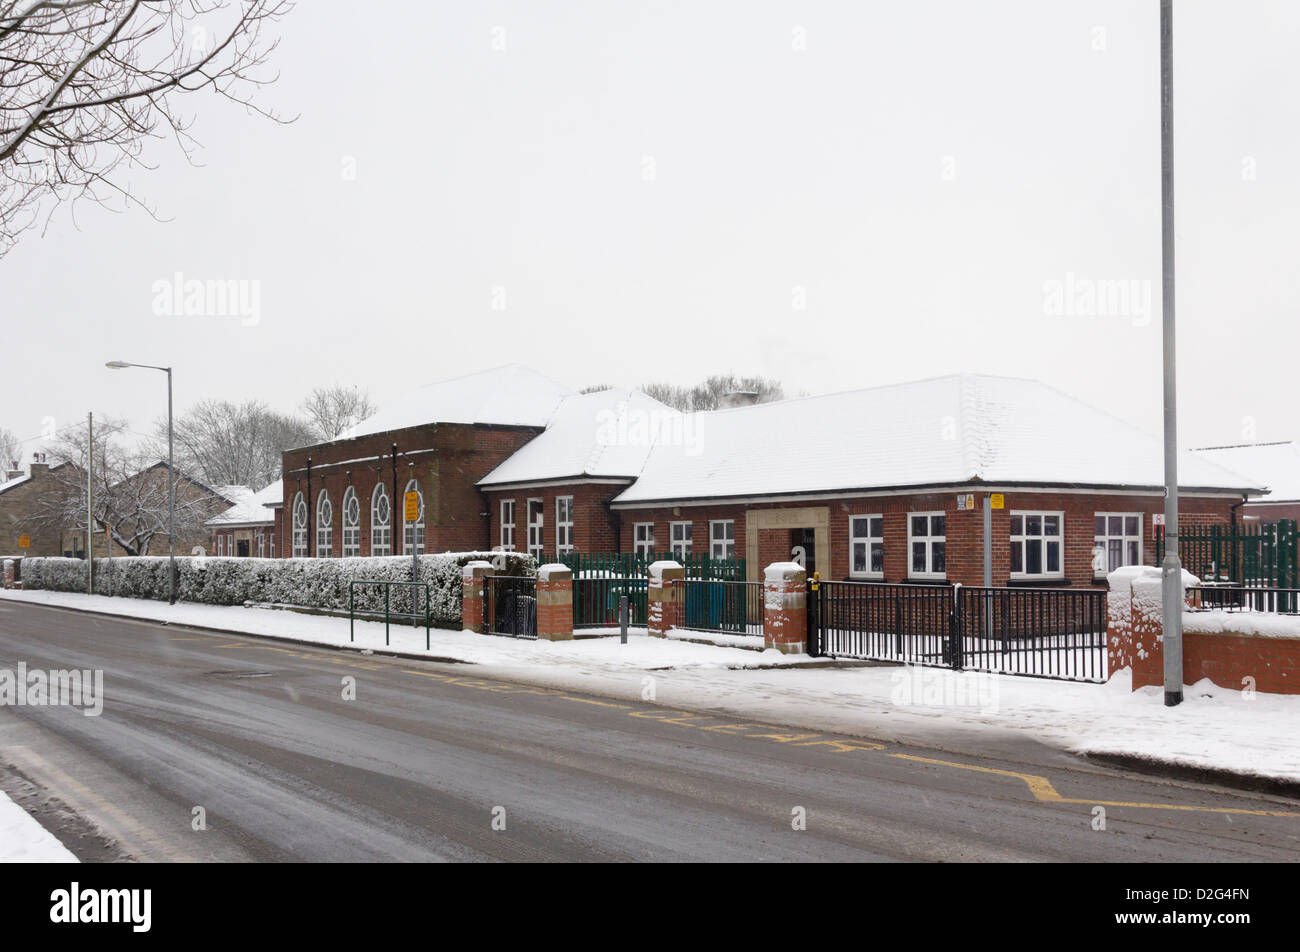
(310, 583)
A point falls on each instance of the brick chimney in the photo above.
(14, 470)
(39, 467)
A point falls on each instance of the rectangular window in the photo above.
(679, 538)
(1117, 541)
(508, 525)
(643, 538)
(261, 546)
(563, 524)
(927, 541)
(722, 539)
(221, 545)
(867, 546)
(272, 541)
(536, 524)
(1036, 544)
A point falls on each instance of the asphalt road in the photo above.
(427, 756)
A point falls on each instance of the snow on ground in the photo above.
(972, 711)
(23, 840)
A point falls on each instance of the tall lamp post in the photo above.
(1171, 589)
(171, 478)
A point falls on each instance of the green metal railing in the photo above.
(388, 612)
(1250, 554)
(601, 578)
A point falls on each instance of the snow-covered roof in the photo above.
(1274, 465)
(602, 434)
(250, 508)
(938, 432)
(9, 484)
(512, 394)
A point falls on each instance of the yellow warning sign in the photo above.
(412, 506)
(996, 501)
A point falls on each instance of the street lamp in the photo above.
(171, 478)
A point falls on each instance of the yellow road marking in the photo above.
(1043, 790)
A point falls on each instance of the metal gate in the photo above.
(1052, 633)
(510, 606)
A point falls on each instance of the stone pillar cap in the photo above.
(657, 569)
(475, 569)
(783, 571)
(554, 571)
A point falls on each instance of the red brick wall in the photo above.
(1227, 659)
(454, 507)
(594, 524)
(965, 528)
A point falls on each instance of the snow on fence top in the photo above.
(310, 583)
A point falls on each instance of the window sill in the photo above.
(1059, 581)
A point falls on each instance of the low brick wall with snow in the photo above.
(1235, 650)
(308, 583)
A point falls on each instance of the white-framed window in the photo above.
(536, 526)
(261, 545)
(507, 525)
(1117, 541)
(1036, 544)
(413, 532)
(271, 545)
(679, 538)
(221, 544)
(722, 538)
(867, 546)
(324, 526)
(643, 538)
(381, 521)
(563, 524)
(299, 526)
(351, 523)
(927, 545)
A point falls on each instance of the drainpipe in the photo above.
(392, 510)
(310, 509)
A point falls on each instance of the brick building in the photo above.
(20, 496)
(887, 483)
(247, 528)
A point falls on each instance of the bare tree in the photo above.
(8, 450)
(227, 444)
(130, 490)
(709, 394)
(332, 410)
(84, 84)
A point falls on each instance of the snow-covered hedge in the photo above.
(312, 583)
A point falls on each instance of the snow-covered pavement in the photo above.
(23, 840)
(1215, 728)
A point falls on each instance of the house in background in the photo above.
(247, 528)
(20, 495)
(1273, 465)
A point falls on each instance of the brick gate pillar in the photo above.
(555, 603)
(472, 586)
(785, 608)
(664, 598)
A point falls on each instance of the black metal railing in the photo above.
(1236, 598)
(731, 607)
(596, 596)
(510, 606)
(881, 621)
(1056, 633)
(1051, 633)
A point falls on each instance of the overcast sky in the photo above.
(836, 194)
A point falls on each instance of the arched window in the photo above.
(299, 527)
(413, 532)
(324, 526)
(381, 522)
(351, 523)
